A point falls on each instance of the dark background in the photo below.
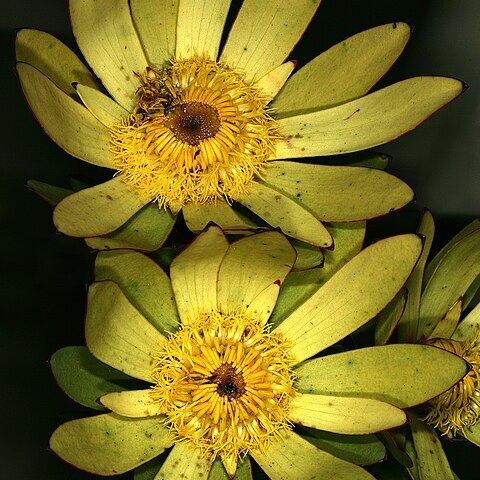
(44, 275)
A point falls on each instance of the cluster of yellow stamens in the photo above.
(459, 407)
(198, 133)
(225, 384)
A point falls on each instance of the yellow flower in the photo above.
(433, 313)
(195, 124)
(224, 383)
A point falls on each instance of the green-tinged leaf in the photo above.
(103, 108)
(279, 210)
(433, 264)
(84, 378)
(109, 444)
(54, 59)
(308, 256)
(261, 38)
(131, 403)
(412, 454)
(97, 210)
(432, 462)
(156, 24)
(357, 449)
(473, 434)
(184, 462)
(194, 274)
(117, 334)
(110, 45)
(164, 256)
(299, 286)
(471, 292)
(389, 471)
(359, 193)
(456, 271)
(294, 458)
(271, 83)
(379, 161)
(402, 374)
(388, 319)
(146, 230)
(144, 284)
(346, 71)
(50, 193)
(199, 28)
(68, 123)
(394, 450)
(251, 265)
(244, 470)
(197, 217)
(149, 470)
(352, 297)
(349, 415)
(447, 325)
(408, 326)
(469, 327)
(366, 122)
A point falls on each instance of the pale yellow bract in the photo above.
(210, 127)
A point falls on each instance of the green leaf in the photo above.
(357, 449)
(402, 374)
(109, 444)
(365, 122)
(50, 193)
(453, 275)
(345, 71)
(282, 211)
(293, 457)
(432, 462)
(308, 256)
(352, 297)
(145, 285)
(68, 123)
(387, 320)
(263, 35)
(84, 378)
(299, 286)
(408, 325)
(149, 470)
(244, 470)
(339, 193)
(98, 210)
(146, 230)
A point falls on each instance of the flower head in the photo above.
(433, 313)
(226, 384)
(197, 124)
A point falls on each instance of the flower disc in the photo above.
(225, 384)
(459, 407)
(198, 133)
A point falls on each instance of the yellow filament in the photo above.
(224, 383)
(197, 134)
(459, 407)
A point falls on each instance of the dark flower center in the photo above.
(229, 381)
(193, 122)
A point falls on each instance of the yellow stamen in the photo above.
(458, 408)
(230, 398)
(197, 134)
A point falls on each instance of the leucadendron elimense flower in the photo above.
(190, 123)
(432, 311)
(221, 382)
